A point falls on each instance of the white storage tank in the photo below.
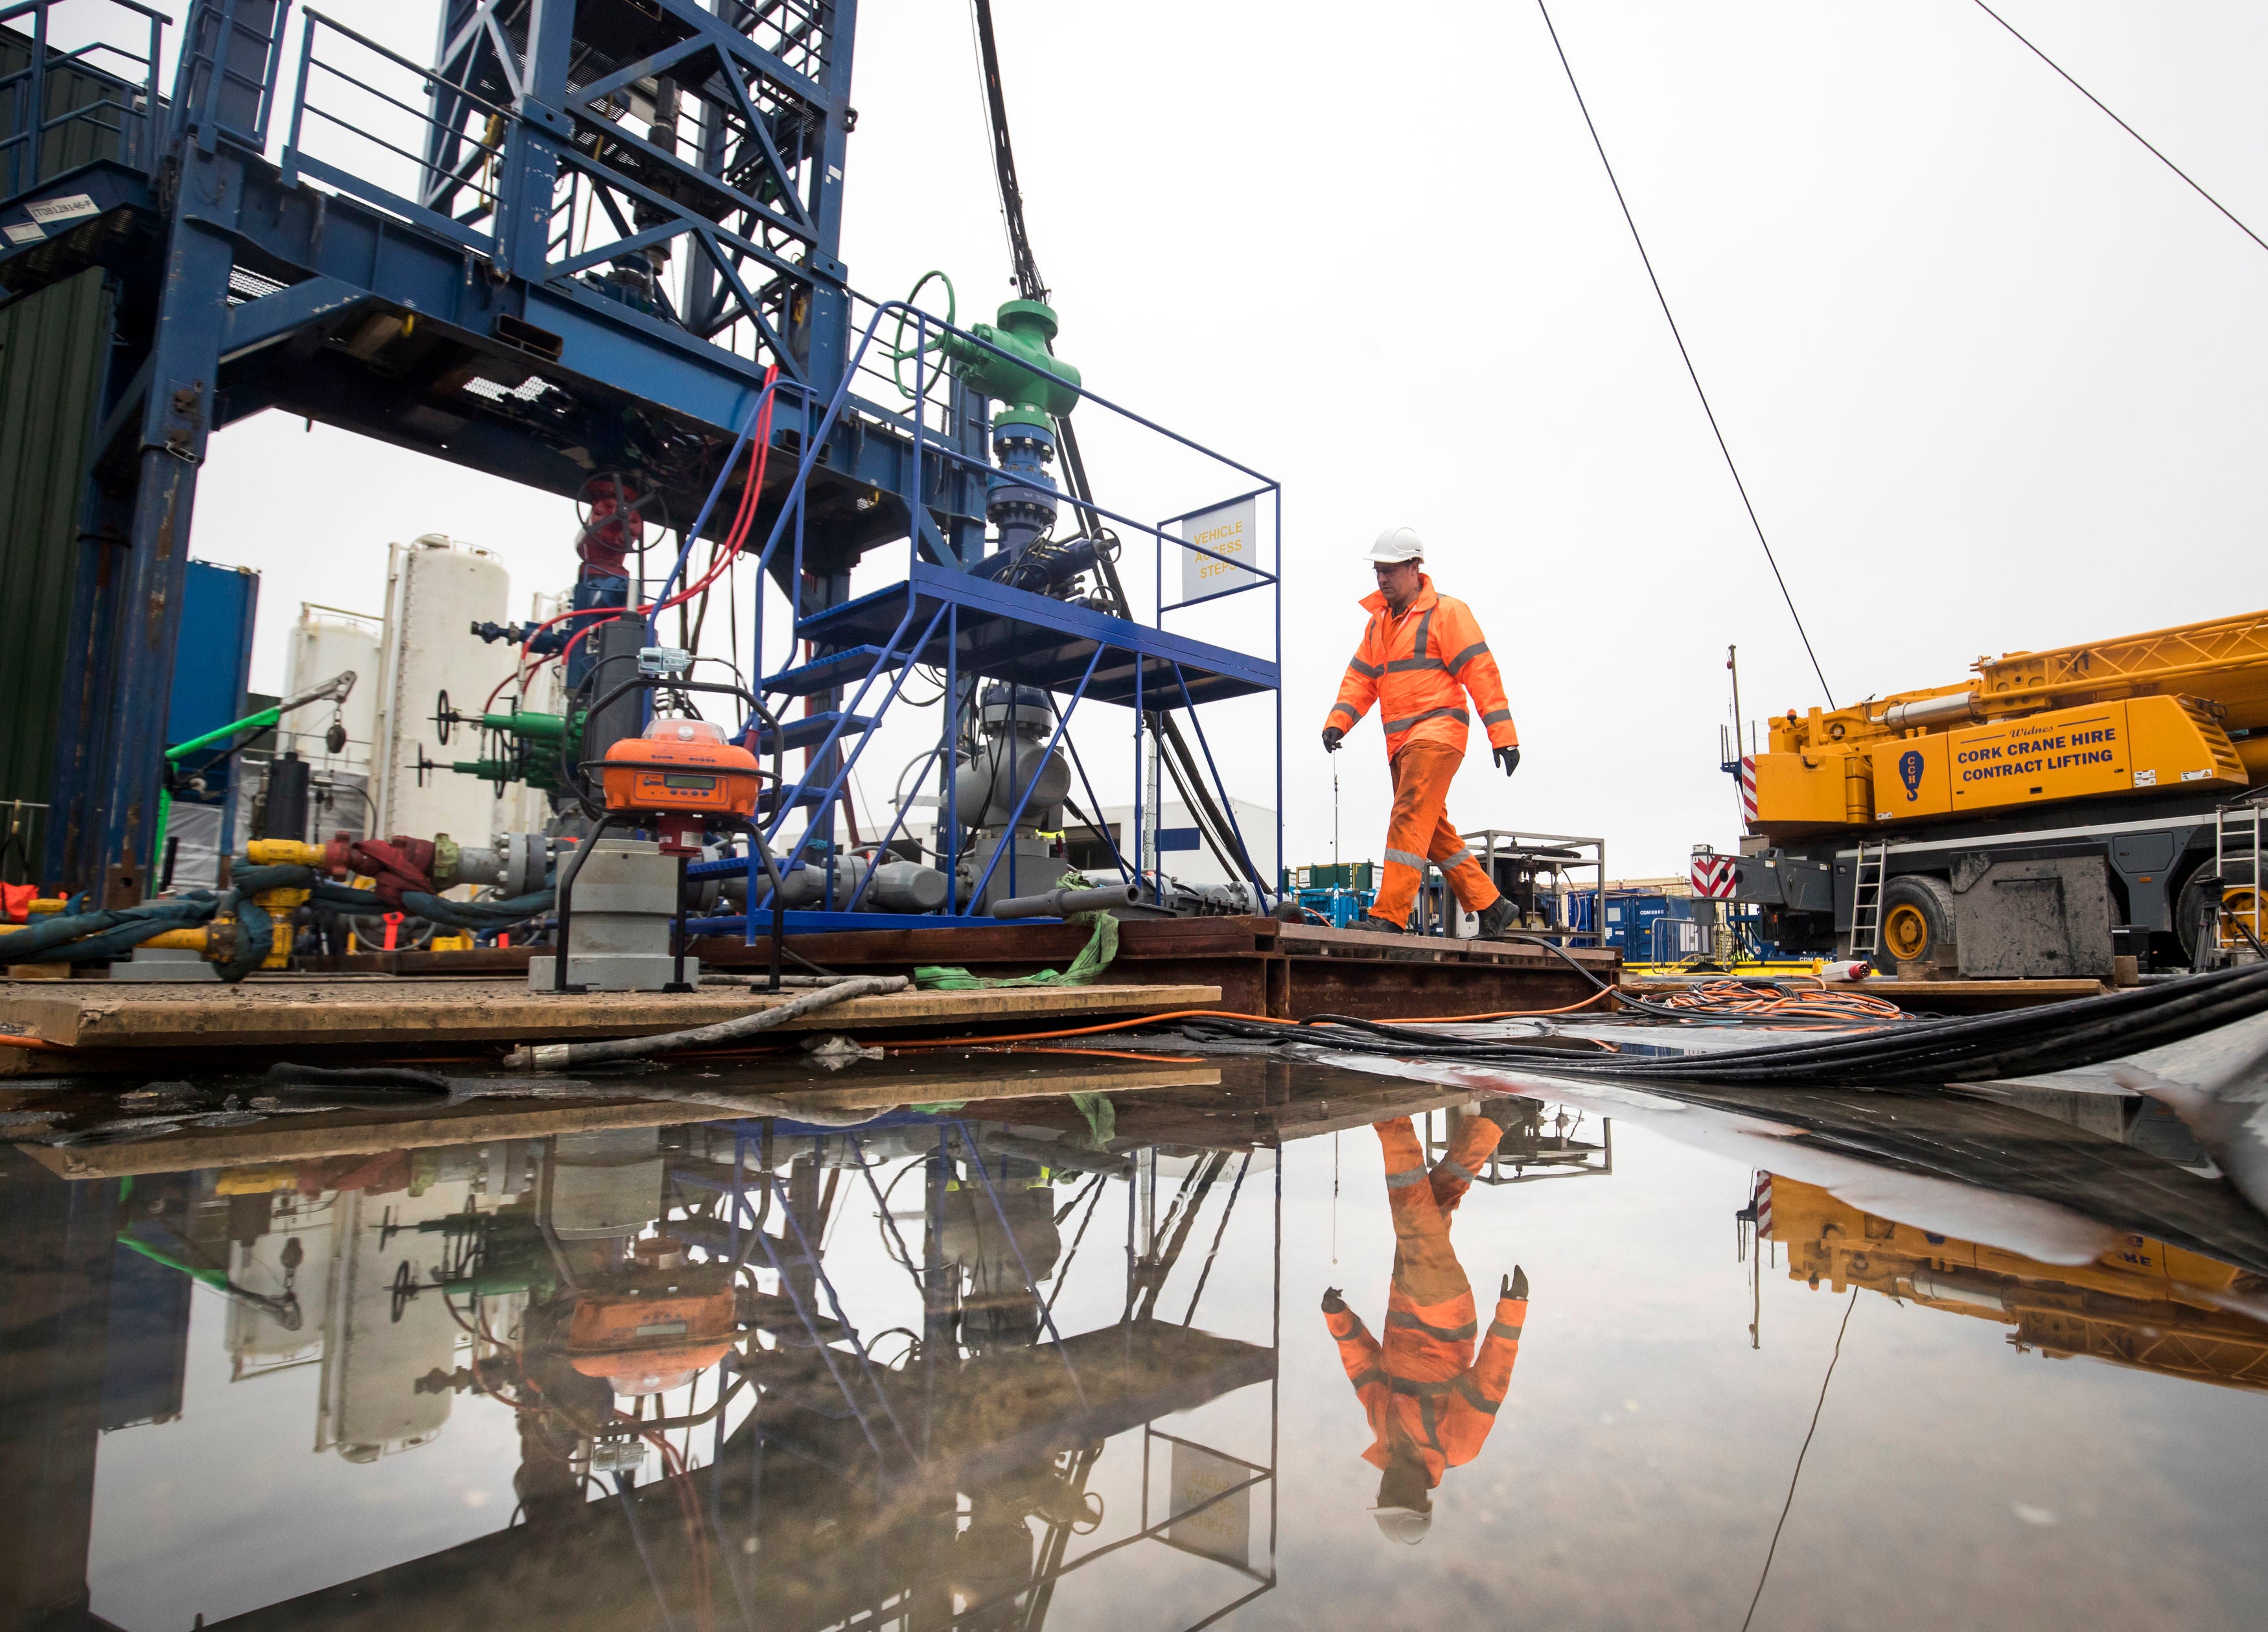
(325, 641)
(379, 1346)
(436, 588)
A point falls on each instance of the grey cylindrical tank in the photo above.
(1013, 757)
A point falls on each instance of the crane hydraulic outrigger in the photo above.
(2058, 809)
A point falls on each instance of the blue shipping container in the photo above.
(213, 664)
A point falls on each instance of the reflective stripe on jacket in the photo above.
(1418, 1387)
(1418, 668)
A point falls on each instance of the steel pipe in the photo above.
(1064, 902)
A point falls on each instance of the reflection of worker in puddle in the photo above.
(1431, 1402)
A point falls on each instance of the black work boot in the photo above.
(1506, 1111)
(1498, 916)
(1381, 926)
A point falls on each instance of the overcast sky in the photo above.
(1994, 377)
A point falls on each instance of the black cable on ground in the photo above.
(2058, 1037)
(1659, 1011)
(1692, 372)
(788, 951)
(1388, 1032)
(357, 1076)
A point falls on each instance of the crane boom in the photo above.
(2174, 708)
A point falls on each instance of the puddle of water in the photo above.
(593, 1362)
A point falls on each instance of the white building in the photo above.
(1182, 852)
(1184, 855)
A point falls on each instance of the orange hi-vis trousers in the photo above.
(1418, 831)
(1424, 1386)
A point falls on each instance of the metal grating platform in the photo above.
(1012, 634)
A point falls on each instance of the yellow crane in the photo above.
(2171, 709)
(2096, 790)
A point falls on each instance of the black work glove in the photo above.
(1515, 1284)
(1509, 759)
(1332, 1302)
(1332, 737)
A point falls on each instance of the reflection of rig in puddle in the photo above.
(706, 1412)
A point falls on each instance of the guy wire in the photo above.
(2121, 123)
(1691, 374)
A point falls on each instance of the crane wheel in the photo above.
(2199, 917)
(1918, 922)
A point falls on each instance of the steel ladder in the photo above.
(1867, 898)
(2223, 819)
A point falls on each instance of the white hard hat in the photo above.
(1398, 543)
(1405, 1525)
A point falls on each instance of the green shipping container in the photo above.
(53, 347)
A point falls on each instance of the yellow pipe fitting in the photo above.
(263, 1179)
(183, 940)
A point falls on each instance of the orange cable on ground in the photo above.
(979, 1044)
(1730, 997)
(1504, 1014)
(11, 1040)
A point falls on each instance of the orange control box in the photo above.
(649, 1337)
(681, 766)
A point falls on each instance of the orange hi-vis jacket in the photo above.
(1417, 668)
(1423, 1384)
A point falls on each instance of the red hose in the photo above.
(759, 456)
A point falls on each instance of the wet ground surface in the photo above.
(1011, 1340)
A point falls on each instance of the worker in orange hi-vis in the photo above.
(1420, 656)
(1430, 1400)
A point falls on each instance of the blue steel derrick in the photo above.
(573, 244)
(435, 307)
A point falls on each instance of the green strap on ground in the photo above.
(1101, 1118)
(1093, 958)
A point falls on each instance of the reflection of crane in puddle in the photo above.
(2144, 1303)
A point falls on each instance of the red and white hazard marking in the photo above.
(1712, 877)
(1749, 789)
(1764, 1207)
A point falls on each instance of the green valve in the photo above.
(1037, 387)
(534, 726)
(532, 749)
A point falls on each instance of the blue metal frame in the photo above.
(1100, 1419)
(23, 148)
(467, 256)
(989, 630)
(271, 280)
